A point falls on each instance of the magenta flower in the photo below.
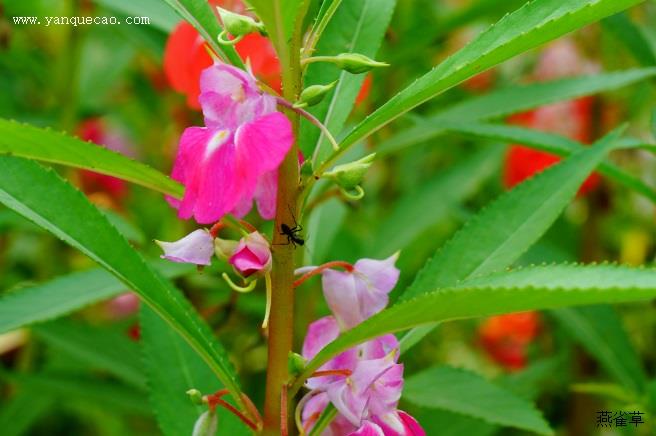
(355, 296)
(197, 247)
(234, 159)
(252, 255)
(363, 383)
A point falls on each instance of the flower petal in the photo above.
(266, 194)
(262, 144)
(339, 290)
(368, 429)
(197, 248)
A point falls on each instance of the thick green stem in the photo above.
(281, 320)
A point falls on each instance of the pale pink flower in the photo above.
(365, 386)
(234, 159)
(197, 248)
(356, 295)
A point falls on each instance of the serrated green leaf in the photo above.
(499, 234)
(556, 144)
(537, 22)
(518, 218)
(600, 331)
(31, 142)
(467, 393)
(68, 293)
(442, 193)
(173, 368)
(507, 101)
(357, 27)
(535, 288)
(199, 13)
(43, 197)
(99, 348)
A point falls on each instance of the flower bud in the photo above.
(350, 175)
(252, 255)
(356, 63)
(295, 363)
(314, 94)
(195, 396)
(239, 25)
(197, 247)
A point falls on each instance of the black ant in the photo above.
(292, 233)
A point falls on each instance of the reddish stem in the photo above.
(318, 270)
(216, 228)
(215, 400)
(284, 430)
(344, 372)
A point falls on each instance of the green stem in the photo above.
(281, 320)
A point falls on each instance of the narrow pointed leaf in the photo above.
(535, 288)
(65, 294)
(503, 231)
(507, 101)
(537, 22)
(467, 393)
(69, 215)
(172, 368)
(46, 145)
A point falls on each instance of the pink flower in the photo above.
(197, 247)
(252, 255)
(234, 159)
(364, 384)
(355, 296)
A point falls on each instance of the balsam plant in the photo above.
(264, 183)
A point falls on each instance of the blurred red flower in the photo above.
(505, 338)
(572, 118)
(185, 57)
(94, 184)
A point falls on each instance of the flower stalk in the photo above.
(281, 319)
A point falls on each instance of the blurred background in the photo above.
(133, 89)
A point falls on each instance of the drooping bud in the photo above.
(314, 94)
(206, 424)
(356, 63)
(197, 248)
(350, 175)
(239, 25)
(252, 256)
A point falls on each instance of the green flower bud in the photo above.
(350, 175)
(314, 94)
(356, 63)
(295, 363)
(195, 396)
(239, 25)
